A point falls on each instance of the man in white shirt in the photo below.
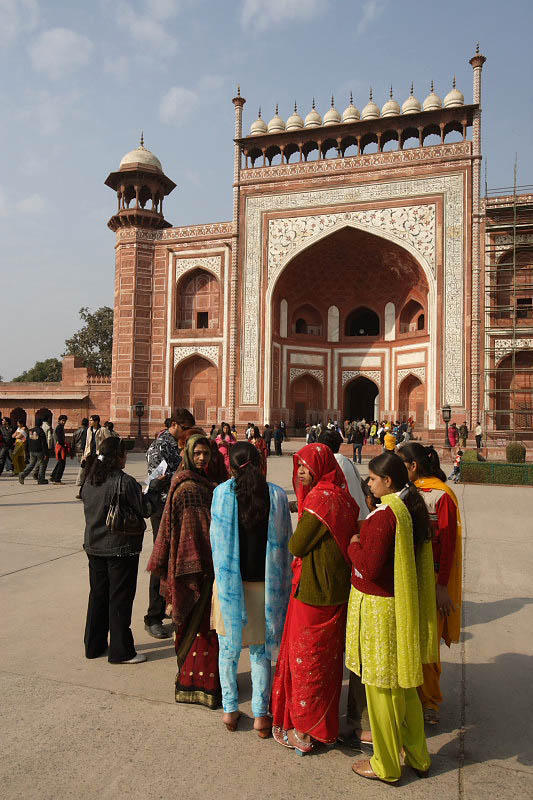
(333, 440)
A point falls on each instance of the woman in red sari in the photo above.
(182, 558)
(259, 443)
(225, 440)
(308, 678)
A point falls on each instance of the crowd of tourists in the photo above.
(370, 578)
(26, 451)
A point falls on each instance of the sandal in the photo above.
(280, 736)
(232, 726)
(300, 745)
(366, 737)
(431, 716)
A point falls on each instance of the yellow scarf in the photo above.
(452, 624)
(406, 610)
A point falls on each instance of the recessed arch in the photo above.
(198, 300)
(411, 398)
(361, 399)
(306, 400)
(18, 414)
(307, 320)
(410, 316)
(362, 321)
(196, 386)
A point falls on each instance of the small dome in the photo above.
(259, 126)
(454, 98)
(332, 117)
(295, 122)
(276, 124)
(432, 101)
(351, 113)
(411, 105)
(313, 119)
(391, 107)
(141, 156)
(371, 110)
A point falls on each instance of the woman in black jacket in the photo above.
(113, 557)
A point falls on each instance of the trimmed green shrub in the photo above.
(497, 472)
(469, 457)
(515, 453)
(129, 444)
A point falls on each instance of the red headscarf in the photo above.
(328, 498)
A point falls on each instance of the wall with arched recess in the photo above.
(512, 400)
(412, 399)
(198, 302)
(196, 387)
(305, 399)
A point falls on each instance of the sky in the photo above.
(80, 80)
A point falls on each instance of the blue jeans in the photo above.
(228, 660)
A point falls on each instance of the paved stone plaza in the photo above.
(73, 728)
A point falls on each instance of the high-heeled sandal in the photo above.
(280, 736)
(301, 747)
(232, 726)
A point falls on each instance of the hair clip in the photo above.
(100, 458)
(243, 465)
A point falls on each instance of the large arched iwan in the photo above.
(196, 387)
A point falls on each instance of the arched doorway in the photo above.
(44, 414)
(411, 399)
(306, 400)
(514, 392)
(198, 301)
(361, 399)
(18, 415)
(196, 387)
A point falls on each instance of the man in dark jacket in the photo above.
(79, 440)
(357, 441)
(267, 436)
(61, 450)
(38, 449)
(6, 431)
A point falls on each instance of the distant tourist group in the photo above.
(370, 578)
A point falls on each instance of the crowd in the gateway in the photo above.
(370, 578)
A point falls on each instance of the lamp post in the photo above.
(446, 416)
(139, 413)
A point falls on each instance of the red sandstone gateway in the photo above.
(349, 282)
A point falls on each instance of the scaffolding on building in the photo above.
(508, 312)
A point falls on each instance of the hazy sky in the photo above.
(80, 79)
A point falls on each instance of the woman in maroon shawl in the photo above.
(308, 678)
(182, 559)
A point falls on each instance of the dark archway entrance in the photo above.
(360, 399)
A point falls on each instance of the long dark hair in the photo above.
(222, 426)
(250, 485)
(427, 460)
(102, 466)
(389, 465)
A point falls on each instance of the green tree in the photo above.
(94, 341)
(47, 371)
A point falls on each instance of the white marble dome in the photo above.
(332, 116)
(351, 113)
(313, 119)
(371, 110)
(295, 122)
(454, 98)
(432, 101)
(391, 107)
(259, 126)
(140, 156)
(412, 104)
(276, 124)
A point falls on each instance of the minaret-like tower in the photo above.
(238, 102)
(141, 185)
(477, 62)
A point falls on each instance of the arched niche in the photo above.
(306, 400)
(410, 316)
(362, 321)
(198, 301)
(18, 414)
(196, 387)
(307, 320)
(390, 322)
(412, 399)
(333, 324)
(44, 414)
(512, 401)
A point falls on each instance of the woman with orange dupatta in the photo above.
(425, 472)
(308, 678)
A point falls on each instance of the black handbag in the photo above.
(122, 519)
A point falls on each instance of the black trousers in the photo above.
(478, 441)
(58, 470)
(156, 603)
(113, 582)
(277, 447)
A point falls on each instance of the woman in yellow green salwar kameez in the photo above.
(391, 628)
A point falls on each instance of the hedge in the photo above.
(497, 472)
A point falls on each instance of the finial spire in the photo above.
(370, 95)
(390, 93)
(453, 82)
(332, 101)
(142, 138)
(412, 88)
(238, 90)
(313, 102)
(295, 107)
(477, 49)
(276, 109)
(351, 98)
(259, 115)
(432, 87)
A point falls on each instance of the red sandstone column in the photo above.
(238, 102)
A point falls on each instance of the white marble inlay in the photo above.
(361, 361)
(414, 357)
(307, 358)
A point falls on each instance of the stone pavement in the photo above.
(73, 728)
